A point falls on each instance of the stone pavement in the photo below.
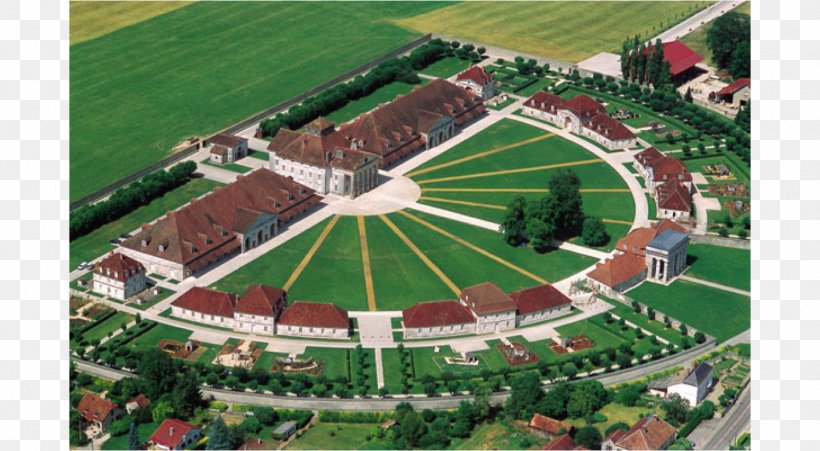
(715, 285)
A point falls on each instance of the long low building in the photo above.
(669, 182)
(437, 319)
(314, 319)
(230, 220)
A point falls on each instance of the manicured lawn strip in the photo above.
(657, 327)
(159, 332)
(724, 265)
(267, 359)
(602, 337)
(492, 357)
(653, 207)
(392, 369)
(699, 164)
(535, 87)
(275, 267)
(114, 89)
(228, 166)
(336, 361)
(393, 265)
(446, 67)
(614, 413)
(592, 175)
(382, 95)
(144, 432)
(335, 273)
(575, 32)
(339, 436)
(91, 246)
(113, 323)
(426, 361)
(369, 370)
(715, 312)
(259, 155)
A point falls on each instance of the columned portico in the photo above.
(666, 256)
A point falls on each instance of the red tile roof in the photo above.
(476, 74)
(209, 302)
(486, 298)
(635, 241)
(171, 432)
(141, 400)
(315, 314)
(679, 56)
(220, 150)
(118, 266)
(206, 229)
(95, 408)
(225, 139)
(609, 127)
(672, 195)
(538, 298)
(739, 84)
(583, 107)
(670, 168)
(318, 150)
(649, 433)
(617, 270)
(261, 300)
(437, 313)
(548, 424)
(544, 101)
(563, 442)
(667, 224)
(649, 156)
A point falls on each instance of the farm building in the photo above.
(539, 303)
(437, 319)
(226, 148)
(682, 60)
(691, 386)
(477, 81)
(546, 427)
(119, 276)
(736, 94)
(314, 319)
(494, 310)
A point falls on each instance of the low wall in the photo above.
(720, 241)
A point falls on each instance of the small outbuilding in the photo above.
(285, 430)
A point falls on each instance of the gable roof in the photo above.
(320, 150)
(262, 300)
(562, 442)
(609, 127)
(140, 400)
(486, 298)
(538, 298)
(738, 84)
(583, 106)
(315, 314)
(649, 156)
(700, 374)
(672, 195)
(667, 224)
(548, 424)
(436, 313)
(649, 433)
(667, 240)
(171, 432)
(218, 149)
(118, 266)
(544, 101)
(227, 140)
(95, 408)
(669, 168)
(679, 56)
(635, 241)
(618, 270)
(207, 301)
(207, 228)
(476, 74)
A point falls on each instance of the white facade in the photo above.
(690, 393)
(663, 265)
(328, 179)
(485, 91)
(191, 315)
(156, 265)
(312, 332)
(608, 143)
(494, 322)
(665, 213)
(540, 114)
(542, 315)
(190, 437)
(441, 131)
(107, 284)
(254, 324)
(265, 228)
(439, 331)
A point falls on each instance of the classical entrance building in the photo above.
(666, 255)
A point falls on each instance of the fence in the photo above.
(247, 123)
(720, 241)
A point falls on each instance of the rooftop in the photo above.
(436, 313)
(668, 239)
(486, 298)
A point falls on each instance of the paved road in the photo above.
(693, 23)
(736, 421)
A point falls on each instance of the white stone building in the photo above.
(226, 148)
(477, 81)
(314, 320)
(437, 319)
(666, 255)
(694, 386)
(494, 310)
(258, 310)
(118, 276)
(206, 306)
(539, 303)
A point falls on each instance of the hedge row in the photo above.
(703, 412)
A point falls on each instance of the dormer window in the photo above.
(290, 196)
(161, 248)
(144, 243)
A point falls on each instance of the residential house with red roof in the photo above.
(229, 220)
(226, 148)
(118, 276)
(581, 115)
(476, 80)
(205, 306)
(649, 433)
(137, 402)
(258, 309)
(437, 319)
(315, 320)
(323, 160)
(547, 427)
(174, 434)
(494, 309)
(562, 442)
(736, 94)
(99, 412)
(539, 303)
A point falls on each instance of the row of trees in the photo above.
(729, 39)
(558, 215)
(125, 200)
(643, 63)
(467, 51)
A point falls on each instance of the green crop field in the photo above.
(90, 19)
(339, 436)
(715, 312)
(696, 40)
(568, 31)
(722, 265)
(382, 95)
(139, 91)
(91, 246)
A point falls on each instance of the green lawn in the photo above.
(718, 313)
(139, 91)
(535, 87)
(699, 164)
(496, 435)
(91, 246)
(656, 327)
(722, 265)
(653, 207)
(614, 413)
(111, 324)
(158, 333)
(336, 361)
(382, 95)
(228, 166)
(426, 361)
(259, 155)
(90, 20)
(143, 430)
(569, 31)
(339, 436)
(392, 369)
(369, 369)
(446, 67)
(595, 331)
(267, 359)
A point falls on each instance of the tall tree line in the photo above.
(644, 64)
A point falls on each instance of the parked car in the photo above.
(83, 265)
(125, 236)
(115, 241)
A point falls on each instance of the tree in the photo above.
(629, 395)
(586, 398)
(680, 444)
(699, 337)
(157, 373)
(540, 233)
(742, 234)
(725, 35)
(162, 410)
(219, 436)
(675, 409)
(566, 202)
(588, 437)
(133, 437)
(617, 426)
(569, 370)
(186, 397)
(481, 50)
(252, 424)
(526, 393)
(723, 232)
(411, 429)
(683, 329)
(514, 220)
(594, 232)
(727, 397)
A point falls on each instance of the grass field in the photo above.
(91, 20)
(696, 40)
(496, 435)
(158, 333)
(143, 430)
(715, 312)
(233, 167)
(446, 67)
(722, 265)
(138, 92)
(339, 436)
(614, 413)
(111, 324)
(382, 95)
(336, 361)
(568, 31)
(91, 246)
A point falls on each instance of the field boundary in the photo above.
(245, 123)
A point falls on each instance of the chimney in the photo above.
(172, 431)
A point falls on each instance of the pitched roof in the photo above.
(318, 150)
(738, 84)
(679, 56)
(476, 74)
(668, 239)
(140, 400)
(649, 156)
(609, 127)
(544, 101)
(315, 314)
(583, 106)
(218, 149)
(636, 240)
(487, 298)
(649, 433)
(701, 373)
(118, 266)
(667, 224)
(669, 167)
(548, 424)
(225, 139)
(261, 300)
(207, 301)
(538, 298)
(171, 432)
(207, 228)
(672, 195)
(321, 125)
(618, 270)
(437, 313)
(562, 442)
(95, 408)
